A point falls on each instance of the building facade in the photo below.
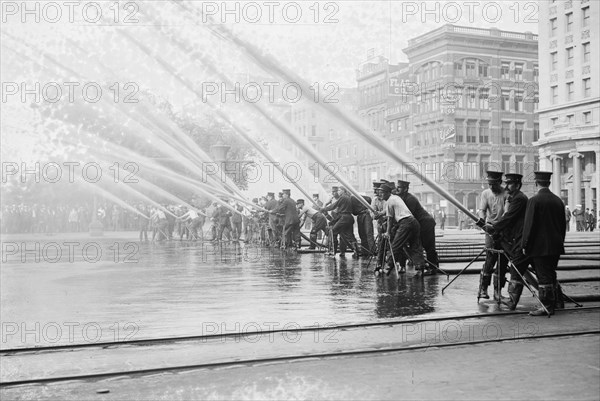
(473, 99)
(569, 142)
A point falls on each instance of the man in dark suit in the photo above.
(543, 239)
(509, 231)
(291, 221)
(426, 223)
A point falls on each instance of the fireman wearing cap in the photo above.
(344, 225)
(407, 231)
(291, 221)
(543, 240)
(509, 231)
(491, 208)
(426, 224)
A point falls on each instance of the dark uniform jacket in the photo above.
(343, 204)
(357, 207)
(510, 225)
(271, 205)
(544, 226)
(413, 204)
(289, 209)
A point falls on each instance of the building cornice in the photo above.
(569, 105)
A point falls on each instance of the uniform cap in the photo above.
(377, 184)
(513, 177)
(494, 175)
(315, 195)
(335, 189)
(286, 191)
(388, 187)
(270, 194)
(300, 201)
(542, 175)
(403, 184)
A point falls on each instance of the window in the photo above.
(585, 14)
(587, 87)
(313, 130)
(536, 73)
(570, 118)
(471, 68)
(505, 133)
(570, 91)
(484, 102)
(519, 72)
(569, 56)
(484, 163)
(459, 131)
(518, 101)
(536, 132)
(483, 70)
(505, 103)
(471, 132)
(519, 134)
(587, 117)
(519, 164)
(553, 27)
(331, 133)
(536, 103)
(554, 60)
(470, 99)
(506, 164)
(586, 52)
(553, 121)
(554, 93)
(505, 71)
(458, 69)
(569, 20)
(484, 131)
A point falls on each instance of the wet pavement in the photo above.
(72, 291)
(152, 290)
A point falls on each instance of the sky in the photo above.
(121, 47)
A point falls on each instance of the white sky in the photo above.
(320, 51)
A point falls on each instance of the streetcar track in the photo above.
(289, 358)
(224, 336)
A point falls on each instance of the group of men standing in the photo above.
(404, 227)
(584, 220)
(527, 232)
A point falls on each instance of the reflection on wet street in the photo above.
(176, 288)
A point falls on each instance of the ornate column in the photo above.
(556, 173)
(576, 177)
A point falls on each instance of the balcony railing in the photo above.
(473, 31)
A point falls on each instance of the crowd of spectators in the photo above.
(48, 219)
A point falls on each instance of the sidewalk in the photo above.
(560, 368)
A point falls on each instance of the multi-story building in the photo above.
(569, 142)
(375, 77)
(310, 121)
(473, 99)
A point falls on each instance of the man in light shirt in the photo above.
(319, 222)
(404, 229)
(491, 208)
(193, 221)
